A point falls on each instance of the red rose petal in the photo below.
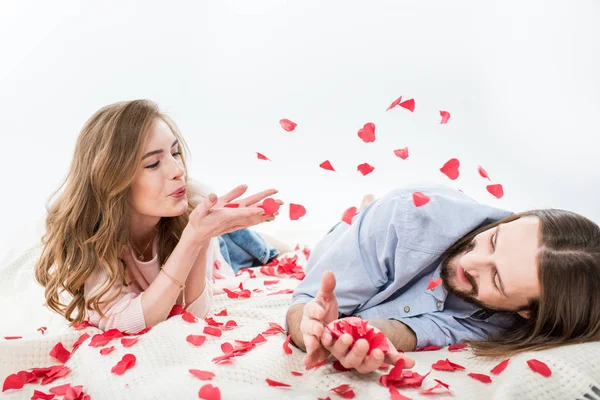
(269, 283)
(365, 169)
(317, 364)
(227, 348)
(27, 377)
(107, 350)
(287, 125)
(231, 205)
(408, 104)
(483, 172)
(348, 215)
(209, 392)
(297, 373)
(326, 165)
(402, 153)
(188, 317)
(79, 342)
(394, 103)
(433, 284)
(196, 340)
(284, 291)
(457, 347)
(430, 348)
(500, 367)
(55, 372)
(450, 169)
(337, 365)
(12, 337)
(37, 395)
(128, 342)
(231, 324)
(75, 393)
(496, 190)
(259, 339)
(42, 329)
(60, 353)
(395, 394)
(210, 321)
(297, 211)
(262, 157)
(203, 375)
(420, 199)
(445, 117)
(81, 325)
(480, 377)
(209, 330)
(222, 313)
(344, 391)
(127, 362)
(539, 367)
(12, 382)
(286, 345)
(176, 310)
(273, 383)
(446, 365)
(439, 388)
(271, 206)
(367, 132)
(275, 325)
(60, 390)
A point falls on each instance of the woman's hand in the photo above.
(249, 201)
(207, 221)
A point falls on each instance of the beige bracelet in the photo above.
(175, 281)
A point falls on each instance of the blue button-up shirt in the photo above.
(384, 261)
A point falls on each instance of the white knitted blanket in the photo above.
(164, 357)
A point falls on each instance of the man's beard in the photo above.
(448, 273)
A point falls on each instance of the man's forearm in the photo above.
(401, 336)
(294, 318)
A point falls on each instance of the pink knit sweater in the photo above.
(125, 312)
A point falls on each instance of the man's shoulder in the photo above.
(447, 216)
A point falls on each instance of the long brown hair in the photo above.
(87, 224)
(568, 309)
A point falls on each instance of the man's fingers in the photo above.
(327, 286)
(355, 357)
(393, 357)
(314, 310)
(311, 327)
(371, 362)
(312, 343)
(315, 356)
(340, 347)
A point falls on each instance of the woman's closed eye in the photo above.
(152, 166)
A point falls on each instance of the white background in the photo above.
(520, 78)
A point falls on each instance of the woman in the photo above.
(131, 235)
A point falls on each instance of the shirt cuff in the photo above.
(130, 319)
(201, 306)
(423, 332)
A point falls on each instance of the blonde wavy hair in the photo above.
(88, 224)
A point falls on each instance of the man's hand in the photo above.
(317, 313)
(357, 357)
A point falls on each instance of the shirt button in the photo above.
(406, 308)
(438, 304)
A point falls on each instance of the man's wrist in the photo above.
(399, 334)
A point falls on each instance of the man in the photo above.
(424, 275)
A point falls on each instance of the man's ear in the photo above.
(525, 314)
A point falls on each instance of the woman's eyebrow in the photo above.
(151, 153)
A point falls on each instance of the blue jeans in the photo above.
(245, 248)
